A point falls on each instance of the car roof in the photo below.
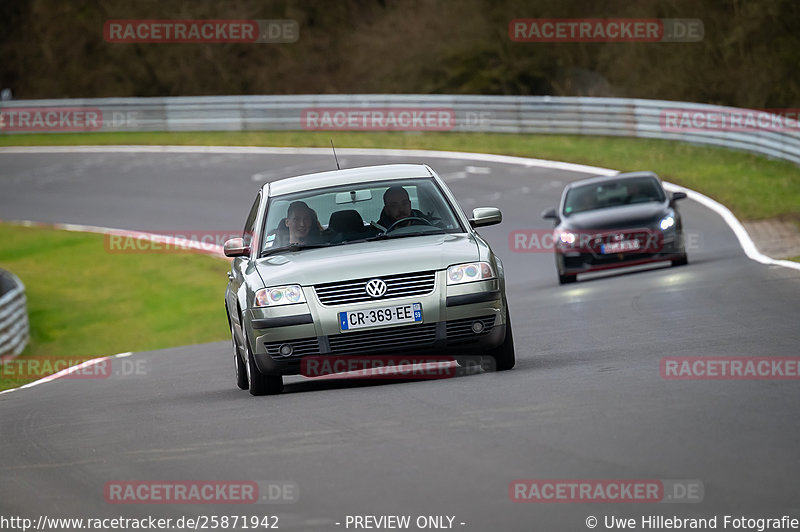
(332, 178)
(611, 179)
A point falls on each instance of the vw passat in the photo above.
(611, 222)
(375, 261)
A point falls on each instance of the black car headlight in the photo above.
(566, 238)
(667, 222)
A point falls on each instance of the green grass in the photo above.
(84, 302)
(753, 187)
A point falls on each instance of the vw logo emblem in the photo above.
(376, 288)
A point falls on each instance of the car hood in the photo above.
(624, 216)
(368, 259)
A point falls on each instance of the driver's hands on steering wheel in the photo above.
(411, 220)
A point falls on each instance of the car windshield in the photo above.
(355, 213)
(612, 194)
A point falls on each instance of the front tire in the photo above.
(683, 260)
(563, 278)
(258, 383)
(566, 279)
(241, 370)
(503, 355)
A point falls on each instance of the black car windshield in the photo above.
(607, 194)
(356, 213)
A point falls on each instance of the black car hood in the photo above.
(624, 216)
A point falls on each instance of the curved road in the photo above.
(586, 400)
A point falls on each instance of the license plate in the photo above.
(379, 317)
(620, 247)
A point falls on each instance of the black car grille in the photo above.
(392, 339)
(460, 331)
(401, 285)
(303, 347)
(418, 337)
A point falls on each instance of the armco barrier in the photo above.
(13, 316)
(502, 114)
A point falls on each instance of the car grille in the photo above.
(391, 339)
(460, 331)
(303, 347)
(402, 285)
(649, 241)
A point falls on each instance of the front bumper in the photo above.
(312, 329)
(588, 259)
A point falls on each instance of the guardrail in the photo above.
(654, 119)
(13, 316)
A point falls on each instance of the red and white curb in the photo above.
(67, 371)
(184, 244)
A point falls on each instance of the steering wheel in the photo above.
(409, 219)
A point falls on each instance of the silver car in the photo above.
(369, 261)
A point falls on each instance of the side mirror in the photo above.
(678, 196)
(235, 248)
(550, 214)
(483, 216)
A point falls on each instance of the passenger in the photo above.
(303, 224)
(584, 201)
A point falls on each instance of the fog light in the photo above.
(477, 327)
(286, 349)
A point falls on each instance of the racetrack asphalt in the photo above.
(586, 400)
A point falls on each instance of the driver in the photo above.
(636, 193)
(396, 206)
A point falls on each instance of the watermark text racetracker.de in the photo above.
(564, 30)
(730, 368)
(201, 492)
(169, 241)
(606, 491)
(379, 118)
(37, 367)
(65, 119)
(744, 120)
(167, 31)
(379, 367)
(627, 240)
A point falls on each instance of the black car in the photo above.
(611, 222)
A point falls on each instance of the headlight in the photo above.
(667, 222)
(565, 237)
(280, 295)
(470, 272)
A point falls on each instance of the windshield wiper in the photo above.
(387, 236)
(293, 247)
